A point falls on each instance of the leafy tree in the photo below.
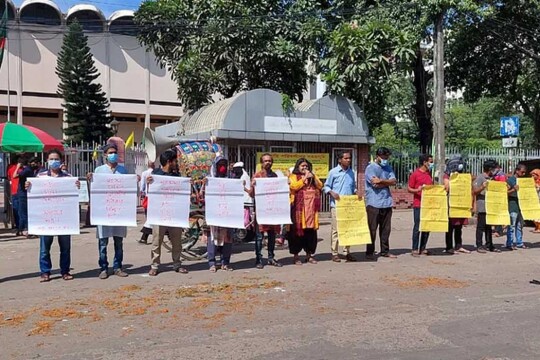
(85, 104)
(223, 47)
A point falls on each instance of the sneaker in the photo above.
(103, 274)
(119, 272)
(481, 250)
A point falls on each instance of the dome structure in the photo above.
(42, 12)
(121, 22)
(89, 16)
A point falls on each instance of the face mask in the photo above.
(384, 162)
(112, 158)
(55, 164)
(460, 167)
(431, 166)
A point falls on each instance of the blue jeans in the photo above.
(419, 239)
(23, 211)
(259, 245)
(118, 253)
(45, 264)
(15, 205)
(225, 250)
(516, 226)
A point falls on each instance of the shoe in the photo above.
(521, 247)
(481, 250)
(259, 265)
(415, 253)
(450, 251)
(509, 248)
(143, 241)
(153, 272)
(103, 274)
(370, 257)
(335, 258)
(350, 258)
(494, 250)
(425, 252)
(119, 272)
(274, 263)
(67, 276)
(181, 270)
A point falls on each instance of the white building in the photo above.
(136, 86)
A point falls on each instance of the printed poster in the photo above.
(497, 203)
(272, 201)
(113, 200)
(53, 206)
(284, 161)
(169, 201)
(434, 209)
(460, 196)
(352, 222)
(528, 199)
(224, 203)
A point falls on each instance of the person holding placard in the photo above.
(54, 159)
(118, 233)
(420, 178)
(479, 190)
(169, 167)
(305, 204)
(24, 170)
(516, 219)
(271, 230)
(146, 229)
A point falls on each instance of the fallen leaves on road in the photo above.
(41, 328)
(426, 282)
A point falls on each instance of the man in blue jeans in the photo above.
(516, 219)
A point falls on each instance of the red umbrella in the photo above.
(24, 138)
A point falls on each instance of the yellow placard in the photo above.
(352, 222)
(528, 199)
(460, 197)
(434, 209)
(497, 203)
(285, 161)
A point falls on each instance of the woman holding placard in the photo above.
(305, 204)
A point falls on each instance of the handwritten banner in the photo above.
(84, 196)
(497, 203)
(434, 209)
(113, 200)
(285, 161)
(272, 201)
(528, 199)
(53, 206)
(169, 201)
(352, 222)
(224, 199)
(460, 197)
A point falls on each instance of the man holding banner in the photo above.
(479, 190)
(420, 178)
(516, 219)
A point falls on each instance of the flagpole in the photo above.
(8, 72)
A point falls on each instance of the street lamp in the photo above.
(114, 125)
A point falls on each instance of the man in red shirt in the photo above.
(14, 183)
(418, 179)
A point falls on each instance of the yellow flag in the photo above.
(434, 209)
(528, 199)
(460, 197)
(351, 219)
(95, 154)
(497, 203)
(130, 140)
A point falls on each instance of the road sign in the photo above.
(510, 142)
(510, 126)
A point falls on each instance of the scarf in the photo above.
(307, 202)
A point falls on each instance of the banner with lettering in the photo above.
(434, 209)
(352, 222)
(169, 201)
(497, 203)
(460, 196)
(285, 161)
(272, 201)
(53, 206)
(224, 200)
(528, 199)
(84, 196)
(113, 200)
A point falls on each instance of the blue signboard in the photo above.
(510, 126)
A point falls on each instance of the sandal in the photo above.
(213, 269)
(297, 260)
(181, 270)
(153, 272)
(67, 276)
(463, 251)
(311, 260)
(226, 268)
(45, 278)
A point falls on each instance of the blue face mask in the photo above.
(54, 164)
(112, 158)
(431, 166)
(384, 162)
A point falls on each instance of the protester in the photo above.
(340, 181)
(271, 230)
(306, 202)
(420, 178)
(23, 171)
(54, 160)
(118, 233)
(220, 239)
(499, 175)
(515, 230)
(536, 176)
(379, 177)
(479, 189)
(238, 172)
(169, 167)
(454, 240)
(147, 228)
(14, 187)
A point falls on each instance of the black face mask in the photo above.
(237, 172)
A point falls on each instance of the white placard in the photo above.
(272, 201)
(113, 200)
(84, 196)
(224, 203)
(53, 206)
(291, 125)
(169, 201)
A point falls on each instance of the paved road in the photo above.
(438, 307)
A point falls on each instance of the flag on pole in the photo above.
(130, 140)
(3, 34)
(95, 154)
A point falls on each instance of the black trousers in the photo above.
(454, 233)
(379, 218)
(307, 242)
(483, 229)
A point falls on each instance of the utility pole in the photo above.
(439, 96)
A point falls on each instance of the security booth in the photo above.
(254, 122)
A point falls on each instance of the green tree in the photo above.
(85, 104)
(223, 47)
